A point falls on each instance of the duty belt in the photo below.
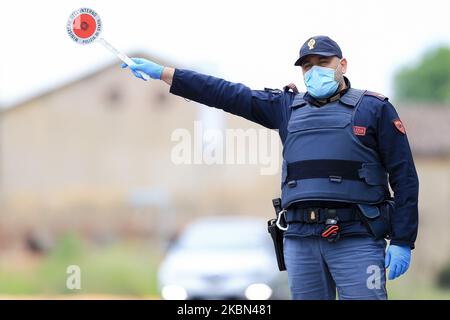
(320, 214)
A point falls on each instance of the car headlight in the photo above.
(173, 292)
(258, 291)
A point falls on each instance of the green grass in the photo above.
(121, 269)
(415, 290)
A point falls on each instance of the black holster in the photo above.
(277, 235)
(377, 218)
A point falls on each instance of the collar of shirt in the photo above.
(334, 97)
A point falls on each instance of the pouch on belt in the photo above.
(376, 218)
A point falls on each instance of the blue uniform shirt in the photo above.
(376, 117)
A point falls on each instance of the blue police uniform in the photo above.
(271, 109)
(366, 148)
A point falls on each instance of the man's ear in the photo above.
(343, 65)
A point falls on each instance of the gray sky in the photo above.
(253, 42)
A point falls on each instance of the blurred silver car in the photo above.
(228, 257)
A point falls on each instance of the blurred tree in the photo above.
(427, 81)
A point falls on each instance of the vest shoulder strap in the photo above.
(291, 87)
(352, 97)
(298, 100)
(376, 95)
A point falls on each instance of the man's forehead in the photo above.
(316, 56)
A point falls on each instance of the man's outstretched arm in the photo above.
(264, 107)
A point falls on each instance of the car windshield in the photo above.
(223, 236)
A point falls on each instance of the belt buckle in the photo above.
(312, 215)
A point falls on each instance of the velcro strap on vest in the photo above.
(319, 215)
(327, 168)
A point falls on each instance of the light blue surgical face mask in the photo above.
(320, 82)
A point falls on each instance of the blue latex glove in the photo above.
(397, 259)
(154, 70)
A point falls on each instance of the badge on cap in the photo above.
(399, 125)
(311, 43)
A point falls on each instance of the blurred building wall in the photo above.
(77, 157)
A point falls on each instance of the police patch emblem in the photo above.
(399, 125)
(359, 131)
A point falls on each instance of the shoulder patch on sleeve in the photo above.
(399, 125)
(376, 95)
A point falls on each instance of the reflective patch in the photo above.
(84, 26)
(399, 125)
(359, 131)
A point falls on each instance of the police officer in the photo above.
(342, 148)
